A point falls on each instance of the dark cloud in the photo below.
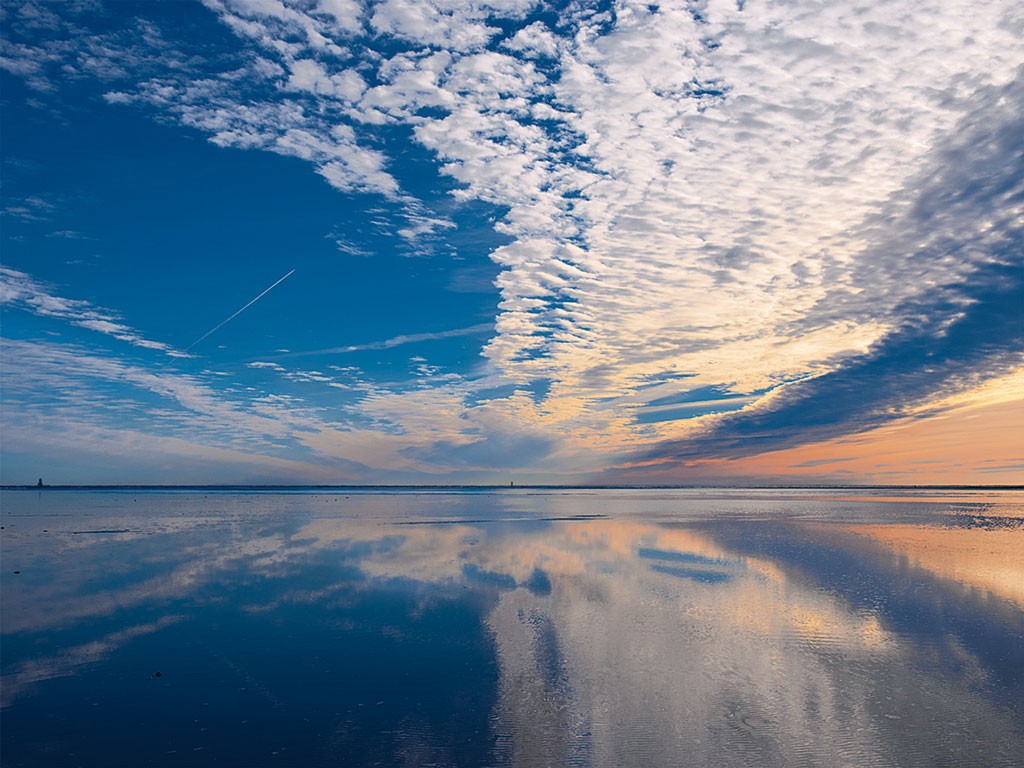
(958, 214)
(956, 349)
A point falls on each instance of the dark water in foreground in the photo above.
(595, 628)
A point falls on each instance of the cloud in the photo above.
(813, 463)
(310, 76)
(769, 620)
(396, 341)
(164, 424)
(449, 25)
(69, 234)
(950, 336)
(21, 290)
(28, 209)
(72, 659)
(420, 225)
(216, 93)
(494, 451)
(240, 311)
(902, 372)
(76, 379)
(788, 203)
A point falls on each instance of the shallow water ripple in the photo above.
(516, 628)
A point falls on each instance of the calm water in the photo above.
(524, 628)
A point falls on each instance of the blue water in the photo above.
(520, 627)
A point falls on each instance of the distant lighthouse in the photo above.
(40, 483)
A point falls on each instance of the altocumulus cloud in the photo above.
(817, 205)
(966, 212)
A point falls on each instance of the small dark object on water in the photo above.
(158, 674)
(17, 571)
(103, 530)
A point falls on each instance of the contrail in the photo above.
(225, 322)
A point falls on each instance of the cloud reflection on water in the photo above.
(989, 560)
(625, 640)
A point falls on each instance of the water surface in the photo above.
(516, 627)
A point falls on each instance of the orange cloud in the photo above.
(972, 441)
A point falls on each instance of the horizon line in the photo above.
(493, 486)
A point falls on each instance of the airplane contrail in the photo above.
(225, 322)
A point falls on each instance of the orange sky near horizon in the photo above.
(974, 445)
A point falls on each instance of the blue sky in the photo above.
(548, 242)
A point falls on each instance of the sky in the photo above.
(439, 241)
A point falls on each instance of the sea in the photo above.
(512, 627)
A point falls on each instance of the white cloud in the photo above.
(449, 24)
(21, 290)
(346, 13)
(395, 341)
(709, 194)
(169, 422)
(28, 209)
(310, 76)
(533, 41)
(284, 127)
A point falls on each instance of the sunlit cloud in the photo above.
(813, 213)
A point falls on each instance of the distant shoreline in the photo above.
(271, 488)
